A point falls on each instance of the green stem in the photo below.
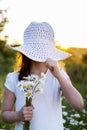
(28, 101)
(27, 123)
(35, 88)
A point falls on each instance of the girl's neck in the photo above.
(37, 68)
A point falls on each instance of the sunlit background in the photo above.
(67, 17)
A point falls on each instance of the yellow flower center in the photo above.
(28, 94)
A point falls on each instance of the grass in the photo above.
(74, 120)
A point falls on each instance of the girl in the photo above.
(39, 55)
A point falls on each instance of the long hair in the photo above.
(23, 65)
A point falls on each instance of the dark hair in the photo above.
(23, 65)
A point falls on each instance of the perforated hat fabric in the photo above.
(39, 43)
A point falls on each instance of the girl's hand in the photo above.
(53, 66)
(26, 113)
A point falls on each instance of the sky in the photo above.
(67, 17)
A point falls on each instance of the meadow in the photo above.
(76, 67)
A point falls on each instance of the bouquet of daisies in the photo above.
(29, 85)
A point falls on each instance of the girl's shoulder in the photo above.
(12, 77)
(62, 71)
(11, 81)
(13, 74)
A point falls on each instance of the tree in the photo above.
(3, 19)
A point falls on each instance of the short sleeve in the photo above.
(10, 82)
(64, 74)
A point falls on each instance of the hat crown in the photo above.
(39, 44)
(38, 31)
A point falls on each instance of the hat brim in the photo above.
(41, 55)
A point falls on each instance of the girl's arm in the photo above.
(11, 116)
(72, 95)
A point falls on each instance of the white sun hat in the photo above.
(39, 44)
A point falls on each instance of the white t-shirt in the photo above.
(47, 114)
